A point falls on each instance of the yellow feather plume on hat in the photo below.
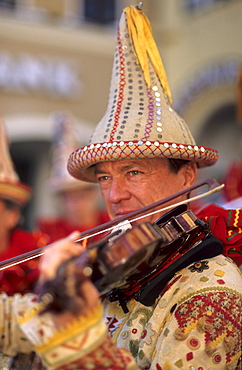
(145, 47)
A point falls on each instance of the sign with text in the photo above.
(26, 73)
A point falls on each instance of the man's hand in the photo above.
(65, 290)
(56, 254)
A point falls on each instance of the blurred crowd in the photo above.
(80, 208)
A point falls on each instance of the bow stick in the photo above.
(212, 184)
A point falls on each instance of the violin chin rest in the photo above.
(208, 247)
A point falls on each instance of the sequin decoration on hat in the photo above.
(139, 121)
(10, 186)
(65, 134)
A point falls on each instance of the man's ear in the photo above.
(13, 217)
(189, 174)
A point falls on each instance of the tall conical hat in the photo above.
(139, 121)
(65, 134)
(10, 186)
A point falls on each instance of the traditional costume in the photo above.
(226, 221)
(194, 321)
(20, 278)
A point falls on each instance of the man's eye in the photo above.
(134, 173)
(102, 178)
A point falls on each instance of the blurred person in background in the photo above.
(233, 185)
(79, 201)
(225, 218)
(14, 240)
(230, 211)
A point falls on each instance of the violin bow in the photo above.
(213, 187)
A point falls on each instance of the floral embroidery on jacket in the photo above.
(199, 266)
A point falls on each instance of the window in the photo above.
(200, 5)
(99, 11)
(7, 4)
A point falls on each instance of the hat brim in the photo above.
(81, 162)
(16, 192)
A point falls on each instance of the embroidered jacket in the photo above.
(194, 324)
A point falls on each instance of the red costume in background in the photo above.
(21, 278)
(226, 225)
(233, 181)
(60, 228)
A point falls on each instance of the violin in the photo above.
(140, 254)
(136, 255)
(141, 249)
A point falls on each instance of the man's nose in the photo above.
(118, 191)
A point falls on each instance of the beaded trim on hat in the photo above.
(16, 192)
(81, 161)
(139, 121)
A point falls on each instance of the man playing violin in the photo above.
(140, 152)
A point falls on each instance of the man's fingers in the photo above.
(57, 253)
(75, 235)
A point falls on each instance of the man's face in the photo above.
(128, 185)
